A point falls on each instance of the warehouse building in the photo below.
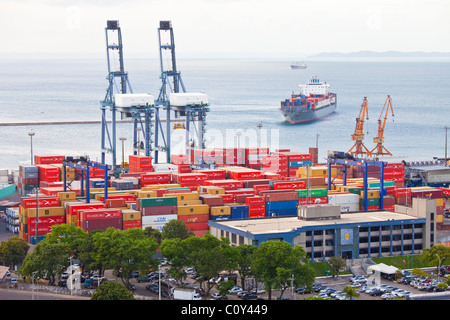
(326, 232)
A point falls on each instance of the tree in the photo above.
(279, 265)
(13, 251)
(176, 229)
(48, 260)
(72, 236)
(244, 261)
(350, 292)
(175, 252)
(110, 290)
(208, 256)
(437, 255)
(336, 264)
(132, 251)
(153, 233)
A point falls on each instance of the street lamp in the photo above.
(123, 157)
(31, 134)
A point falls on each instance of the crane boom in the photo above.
(358, 136)
(379, 139)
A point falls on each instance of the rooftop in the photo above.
(288, 224)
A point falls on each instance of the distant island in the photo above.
(385, 54)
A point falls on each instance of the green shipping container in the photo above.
(158, 201)
(370, 202)
(312, 193)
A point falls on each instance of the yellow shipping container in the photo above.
(45, 212)
(151, 187)
(439, 202)
(319, 171)
(439, 218)
(69, 195)
(131, 215)
(215, 190)
(146, 194)
(220, 210)
(193, 209)
(184, 196)
(371, 194)
(71, 219)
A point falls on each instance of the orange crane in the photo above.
(358, 136)
(380, 149)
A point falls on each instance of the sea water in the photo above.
(242, 94)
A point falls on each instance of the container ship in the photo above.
(314, 101)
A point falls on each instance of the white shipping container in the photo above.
(185, 99)
(133, 99)
(158, 219)
(337, 198)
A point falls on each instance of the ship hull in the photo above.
(299, 115)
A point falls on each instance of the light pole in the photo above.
(259, 134)
(31, 134)
(445, 128)
(123, 157)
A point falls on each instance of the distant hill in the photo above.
(385, 54)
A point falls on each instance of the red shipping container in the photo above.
(389, 208)
(197, 226)
(227, 184)
(227, 198)
(211, 200)
(72, 208)
(257, 209)
(194, 218)
(257, 215)
(190, 177)
(261, 187)
(184, 168)
(101, 224)
(43, 229)
(156, 178)
(246, 175)
(48, 159)
(296, 156)
(30, 202)
(47, 221)
(115, 203)
(313, 200)
(289, 185)
(132, 224)
(256, 200)
(213, 174)
(158, 210)
(281, 196)
(93, 214)
(399, 192)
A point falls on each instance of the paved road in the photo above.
(12, 294)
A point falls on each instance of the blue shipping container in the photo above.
(276, 205)
(302, 163)
(282, 213)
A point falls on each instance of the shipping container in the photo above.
(159, 210)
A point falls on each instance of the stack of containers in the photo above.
(288, 185)
(276, 163)
(256, 206)
(179, 159)
(281, 203)
(195, 217)
(72, 208)
(131, 219)
(48, 173)
(227, 184)
(122, 184)
(12, 219)
(373, 200)
(50, 213)
(28, 179)
(140, 163)
(157, 211)
(242, 173)
(314, 152)
(213, 174)
(100, 219)
(253, 157)
(312, 196)
(295, 161)
(395, 172)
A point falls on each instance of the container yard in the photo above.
(276, 184)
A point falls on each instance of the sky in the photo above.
(227, 27)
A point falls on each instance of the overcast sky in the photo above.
(267, 27)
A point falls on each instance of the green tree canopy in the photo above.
(13, 251)
(176, 229)
(110, 290)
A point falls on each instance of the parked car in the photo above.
(335, 294)
(258, 291)
(250, 296)
(376, 292)
(62, 283)
(242, 293)
(302, 290)
(235, 290)
(217, 296)
(388, 296)
(322, 295)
